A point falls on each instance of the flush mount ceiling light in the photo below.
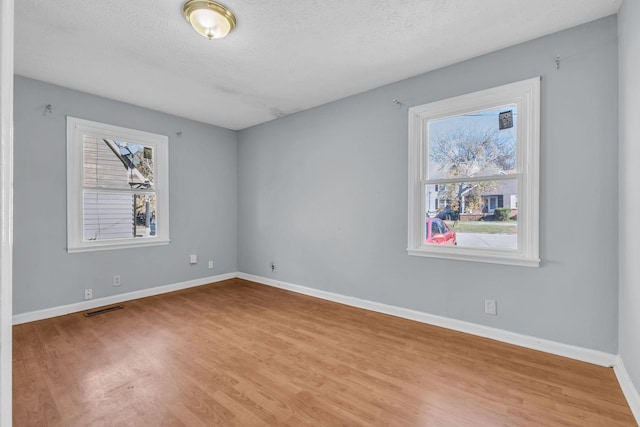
(209, 18)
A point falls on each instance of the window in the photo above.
(117, 187)
(478, 154)
(492, 203)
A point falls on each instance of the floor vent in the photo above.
(103, 310)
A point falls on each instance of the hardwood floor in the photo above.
(243, 354)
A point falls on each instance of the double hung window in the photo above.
(474, 162)
(117, 187)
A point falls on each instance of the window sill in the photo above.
(476, 255)
(102, 246)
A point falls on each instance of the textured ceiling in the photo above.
(284, 56)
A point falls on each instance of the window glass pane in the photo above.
(492, 203)
(145, 212)
(481, 213)
(108, 163)
(116, 215)
(477, 144)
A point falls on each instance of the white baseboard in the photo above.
(573, 352)
(629, 390)
(114, 299)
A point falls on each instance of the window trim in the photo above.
(526, 95)
(76, 130)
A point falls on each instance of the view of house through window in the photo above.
(472, 180)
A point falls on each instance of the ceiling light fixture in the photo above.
(209, 18)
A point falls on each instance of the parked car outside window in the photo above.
(439, 233)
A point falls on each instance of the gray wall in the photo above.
(203, 202)
(323, 194)
(629, 45)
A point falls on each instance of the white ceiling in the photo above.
(284, 55)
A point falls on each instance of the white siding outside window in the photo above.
(107, 216)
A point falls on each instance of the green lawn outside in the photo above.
(507, 227)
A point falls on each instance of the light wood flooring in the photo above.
(242, 354)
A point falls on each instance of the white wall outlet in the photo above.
(193, 259)
(491, 307)
(273, 266)
(211, 264)
(88, 294)
(116, 281)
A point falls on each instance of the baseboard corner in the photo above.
(628, 388)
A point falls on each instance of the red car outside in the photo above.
(439, 233)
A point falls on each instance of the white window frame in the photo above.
(526, 95)
(77, 129)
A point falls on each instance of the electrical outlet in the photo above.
(116, 281)
(273, 266)
(88, 294)
(193, 259)
(491, 307)
(210, 264)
